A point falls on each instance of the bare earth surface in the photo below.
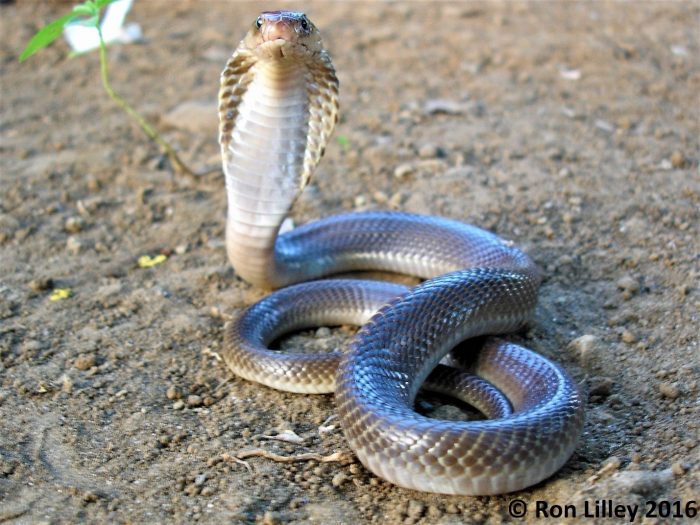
(571, 129)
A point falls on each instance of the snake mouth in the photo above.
(280, 48)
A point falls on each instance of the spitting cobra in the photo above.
(278, 104)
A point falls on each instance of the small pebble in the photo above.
(67, 386)
(677, 159)
(339, 479)
(178, 405)
(200, 479)
(628, 284)
(611, 465)
(192, 489)
(628, 337)
(428, 151)
(74, 224)
(73, 245)
(415, 509)
(380, 197)
(323, 331)
(207, 491)
(194, 400)
(600, 386)
(174, 392)
(669, 390)
(402, 170)
(586, 346)
(677, 469)
(84, 362)
(271, 518)
(41, 284)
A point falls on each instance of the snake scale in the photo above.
(278, 104)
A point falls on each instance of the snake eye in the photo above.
(259, 22)
(305, 24)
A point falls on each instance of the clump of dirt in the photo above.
(571, 128)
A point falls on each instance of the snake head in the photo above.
(283, 34)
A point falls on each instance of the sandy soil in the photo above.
(570, 128)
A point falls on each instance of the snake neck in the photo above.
(276, 116)
(262, 164)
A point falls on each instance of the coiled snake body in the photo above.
(278, 106)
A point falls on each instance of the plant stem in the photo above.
(178, 164)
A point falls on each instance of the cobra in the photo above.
(278, 105)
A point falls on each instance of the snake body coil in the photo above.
(278, 106)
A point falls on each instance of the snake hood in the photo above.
(278, 105)
(276, 43)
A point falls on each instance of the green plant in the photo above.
(88, 14)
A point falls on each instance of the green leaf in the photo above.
(101, 3)
(46, 35)
(343, 142)
(89, 10)
(84, 10)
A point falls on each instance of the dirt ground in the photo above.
(570, 128)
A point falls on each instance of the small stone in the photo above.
(67, 385)
(600, 386)
(669, 390)
(611, 465)
(181, 249)
(192, 489)
(434, 513)
(74, 224)
(84, 362)
(677, 160)
(587, 347)
(271, 518)
(339, 479)
(174, 392)
(73, 245)
(200, 479)
(415, 509)
(194, 400)
(207, 492)
(428, 151)
(402, 170)
(628, 284)
(178, 405)
(451, 508)
(449, 107)
(323, 331)
(380, 197)
(565, 173)
(41, 284)
(678, 469)
(628, 337)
